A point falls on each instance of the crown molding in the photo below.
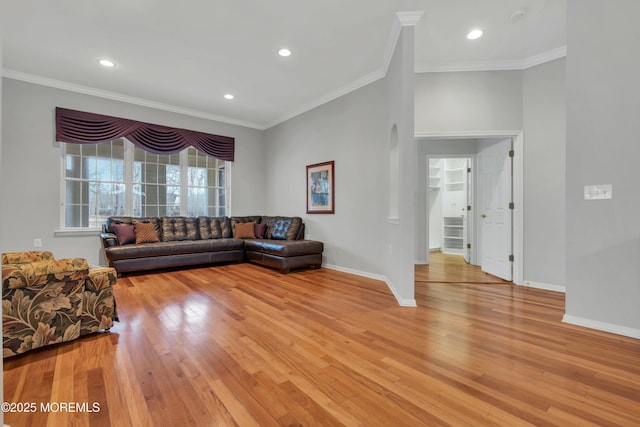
(499, 65)
(404, 19)
(409, 18)
(86, 90)
(543, 57)
(357, 84)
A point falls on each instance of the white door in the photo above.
(466, 248)
(494, 169)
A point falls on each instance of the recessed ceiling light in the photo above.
(228, 96)
(474, 34)
(107, 63)
(284, 52)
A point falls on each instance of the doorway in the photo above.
(449, 197)
(470, 148)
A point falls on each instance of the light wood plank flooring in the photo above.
(241, 345)
(447, 268)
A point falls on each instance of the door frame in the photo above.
(518, 187)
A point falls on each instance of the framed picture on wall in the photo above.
(320, 188)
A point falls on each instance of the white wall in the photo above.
(544, 173)
(31, 165)
(354, 131)
(603, 128)
(468, 101)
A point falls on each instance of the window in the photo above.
(118, 178)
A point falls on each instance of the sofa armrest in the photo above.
(109, 239)
(40, 273)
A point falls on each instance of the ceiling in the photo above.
(185, 56)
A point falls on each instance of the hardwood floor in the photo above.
(242, 345)
(447, 268)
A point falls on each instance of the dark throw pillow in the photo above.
(259, 230)
(125, 233)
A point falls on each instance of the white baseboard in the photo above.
(602, 326)
(403, 302)
(544, 286)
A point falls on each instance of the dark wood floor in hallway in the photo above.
(240, 345)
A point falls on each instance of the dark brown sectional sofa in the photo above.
(185, 241)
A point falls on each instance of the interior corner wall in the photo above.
(354, 131)
(603, 110)
(31, 164)
(544, 114)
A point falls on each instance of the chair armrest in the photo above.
(39, 273)
(28, 256)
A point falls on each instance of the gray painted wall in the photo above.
(468, 101)
(544, 172)
(603, 93)
(354, 131)
(31, 164)
(476, 103)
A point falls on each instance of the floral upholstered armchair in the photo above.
(47, 301)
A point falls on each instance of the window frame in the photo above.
(128, 166)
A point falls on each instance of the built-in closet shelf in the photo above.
(453, 236)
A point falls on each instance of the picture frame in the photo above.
(321, 188)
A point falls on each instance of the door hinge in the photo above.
(468, 170)
(468, 207)
(468, 245)
(512, 153)
(511, 258)
(512, 205)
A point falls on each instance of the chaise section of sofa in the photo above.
(134, 244)
(283, 245)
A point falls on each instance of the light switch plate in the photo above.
(598, 192)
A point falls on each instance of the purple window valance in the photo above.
(88, 128)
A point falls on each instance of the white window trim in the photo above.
(128, 182)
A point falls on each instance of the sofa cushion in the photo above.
(284, 248)
(176, 228)
(282, 227)
(116, 253)
(245, 230)
(125, 233)
(146, 232)
(214, 227)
